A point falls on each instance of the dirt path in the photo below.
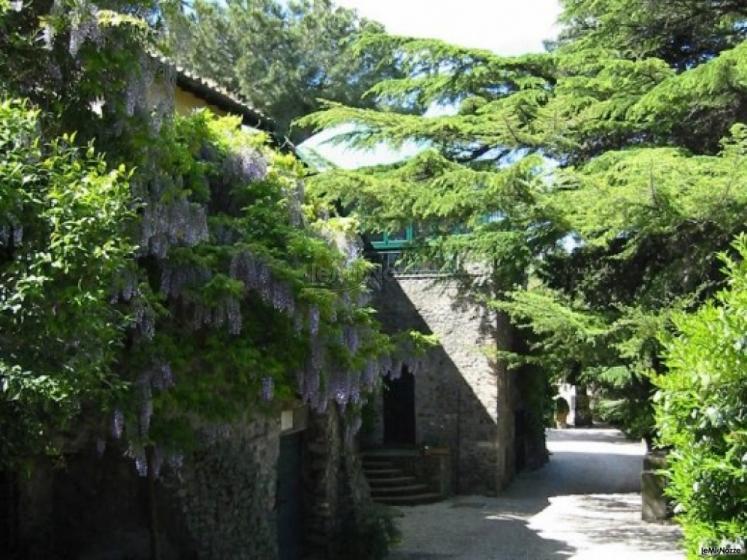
(583, 505)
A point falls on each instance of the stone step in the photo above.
(409, 500)
(390, 481)
(374, 472)
(386, 452)
(406, 490)
(377, 463)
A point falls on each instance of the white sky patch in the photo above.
(351, 158)
(507, 27)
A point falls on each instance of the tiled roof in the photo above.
(217, 95)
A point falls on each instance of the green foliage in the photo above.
(638, 108)
(681, 32)
(64, 218)
(572, 343)
(283, 57)
(372, 534)
(696, 108)
(195, 290)
(63, 56)
(222, 366)
(565, 335)
(701, 411)
(474, 214)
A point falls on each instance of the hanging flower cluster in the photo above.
(226, 312)
(176, 277)
(85, 27)
(256, 275)
(295, 197)
(145, 319)
(222, 242)
(176, 223)
(159, 377)
(245, 165)
(10, 234)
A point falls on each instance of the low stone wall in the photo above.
(655, 506)
(218, 504)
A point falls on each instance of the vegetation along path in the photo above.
(583, 505)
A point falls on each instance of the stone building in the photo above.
(264, 488)
(289, 487)
(458, 398)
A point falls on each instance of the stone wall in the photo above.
(225, 493)
(341, 521)
(218, 504)
(463, 398)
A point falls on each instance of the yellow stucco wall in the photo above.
(186, 102)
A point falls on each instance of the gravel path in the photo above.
(583, 505)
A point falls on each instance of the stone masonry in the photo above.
(463, 396)
(220, 503)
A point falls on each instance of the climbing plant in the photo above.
(62, 216)
(183, 284)
(243, 297)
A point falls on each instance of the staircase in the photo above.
(392, 486)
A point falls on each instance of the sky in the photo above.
(504, 26)
(507, 27)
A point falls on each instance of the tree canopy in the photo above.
(158, 273)
(282, 57)
(634, 157)
(599, 180)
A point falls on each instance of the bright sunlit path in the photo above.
(585, 504)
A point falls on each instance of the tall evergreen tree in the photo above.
(283, 57)
(630, 148)
(683, 33)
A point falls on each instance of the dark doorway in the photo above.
(399, 409)
(289, 497)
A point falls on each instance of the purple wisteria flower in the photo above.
(268, 388)
(117, 423)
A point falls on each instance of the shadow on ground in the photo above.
(474, 528)
(584, 504)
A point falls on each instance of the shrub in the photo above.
(63, 217)
(561, 406)
(701, 412)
